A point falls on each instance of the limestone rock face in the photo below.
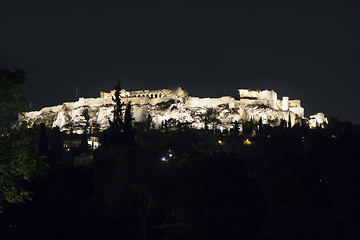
(73, 117)
(164, 106)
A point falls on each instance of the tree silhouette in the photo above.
(56, 146)
(128, 130)
(18, 158)
(260, 123)
(235, 130)
(117, 124)
(164, 125)
(283, 123)
(289, 121)
(84, 146)
(248, 128)
(148, 122)
(12, 100)
(86, 115)
(43, 141)
(209, 117)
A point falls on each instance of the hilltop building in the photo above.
(172, 106)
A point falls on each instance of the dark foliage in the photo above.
(284, 183)
(43, 141)
(121, 130)
(116, 125)
(56, 146)
(19, 162)
(165, 105)
(12, 100)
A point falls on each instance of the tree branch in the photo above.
(167, 225)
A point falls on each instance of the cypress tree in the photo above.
(289, 121)
(260, 123)
(116, 125)
(56, 147)
(127, 126)
(148, 122)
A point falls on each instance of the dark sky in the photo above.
(305, 51)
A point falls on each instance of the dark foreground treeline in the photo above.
(283, 183)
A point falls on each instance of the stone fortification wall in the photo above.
(297, 110)
(258, 94)
(246, 93)
(89, 102)
(268, 95)
(269, 99)
(192, 102)
(294, 103)
(285, 104)
(318, 120)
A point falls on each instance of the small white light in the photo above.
(170, 155)
(163, 159)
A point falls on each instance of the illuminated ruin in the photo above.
(175, 106)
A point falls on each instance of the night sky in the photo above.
(304, 51)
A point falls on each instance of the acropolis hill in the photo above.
(174, 106)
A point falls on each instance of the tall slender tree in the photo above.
(117, 112)
(116, 125)
(128, 131)
(289, 121)
(56, 147)
(148, 122)
(260, 123)
(43, 141)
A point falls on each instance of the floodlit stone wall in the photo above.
(246, 93)
(297, 110)
(267, 95)
(294, 103)
(317, 120)
(285, 104)
(209, 102)
(269, 98)
(258, 94)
